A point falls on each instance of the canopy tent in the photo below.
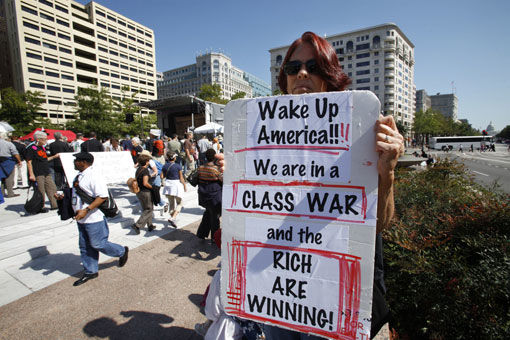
(211, 127)
(5, 127)
(65, 133)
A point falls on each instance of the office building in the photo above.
(447, 104)
(58, 46)
(422, 101)
(210, 68)
(379, 59)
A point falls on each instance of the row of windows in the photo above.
(122, 34)
(50, 87)
(49, 59)
(50, 73)
(121, 22)
(125, 67)
(125, 56)
(117, 87)
(125, 77)
(124, 45)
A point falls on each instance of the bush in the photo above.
(448, 256)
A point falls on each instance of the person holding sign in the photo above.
(311, 66)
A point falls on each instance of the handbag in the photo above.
(193, 178)
(65, 205)
(35, 204)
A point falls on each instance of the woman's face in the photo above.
(303, 81)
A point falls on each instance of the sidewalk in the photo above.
(37, 251)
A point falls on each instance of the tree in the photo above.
(212, 93)
(401, 128)
(428, 123)
(505, 133)
(21, 110)
(96, 112)
(238, 95)
(277, 92)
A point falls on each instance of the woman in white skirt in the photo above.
(175, 186)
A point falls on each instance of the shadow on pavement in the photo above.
(191, 246)
(141, 326)
(66, 263)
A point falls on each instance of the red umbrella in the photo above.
(67, 133)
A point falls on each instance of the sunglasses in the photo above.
(292, 68)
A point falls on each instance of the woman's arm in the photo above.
(146, 183)
(389, 145)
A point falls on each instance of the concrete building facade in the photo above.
(423, 102)
(209, 68)
(447, 104)
(58, 46)
(378, 58)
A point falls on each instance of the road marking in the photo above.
(480, 173)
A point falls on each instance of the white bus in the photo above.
(454, 143)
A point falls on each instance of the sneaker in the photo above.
(165, 208)
(172, 222)
(151, 227)
(201, 328)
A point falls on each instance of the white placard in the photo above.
(299, 211)
(114, 167)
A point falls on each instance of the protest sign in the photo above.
(299, 211)
(113, 167)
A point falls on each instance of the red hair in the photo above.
(329, 68)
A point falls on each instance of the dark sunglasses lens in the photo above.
(292, 67)
(312, 67)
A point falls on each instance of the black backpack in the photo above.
(108, 207)
(35, 204)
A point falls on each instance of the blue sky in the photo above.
(467, 42)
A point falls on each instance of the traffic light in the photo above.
(484, 133)
(129, 118)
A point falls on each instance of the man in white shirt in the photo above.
(92, 226)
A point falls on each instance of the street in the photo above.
(492, 169)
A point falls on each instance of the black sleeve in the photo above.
(85, 146)
(29, 153)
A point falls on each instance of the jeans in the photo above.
(210, 221)
(94, 239)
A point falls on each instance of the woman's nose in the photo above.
(303, 73)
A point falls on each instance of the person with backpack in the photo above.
(92, 225)
(174, 187)
(142, 177)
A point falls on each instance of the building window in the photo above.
(52, 74)
(362, 72)
(68, 77)
(65, 50)
(364, 63)
(30, 25)
(37, 85)
(361, 47)
(376, 79)
(46, 16)
(47, 31)
(376, 70)
(48, 45)
(35, 70)
(362, 55)
(28, 10)
(63, 36)
(46, 2)
(33, 41)
(66, 63)
(51, 60)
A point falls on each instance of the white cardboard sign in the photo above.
(113, 167)
(299, 211)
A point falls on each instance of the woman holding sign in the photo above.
(310, 66)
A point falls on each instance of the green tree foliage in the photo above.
(505, 133)
(21, 110)
(212, 93)
(401, 128)
(238, 95)
(433, 123)
(96, 112)
(447, 256)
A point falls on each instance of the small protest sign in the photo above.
(299, 211)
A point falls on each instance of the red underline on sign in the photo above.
(295, 215)
(321, 149)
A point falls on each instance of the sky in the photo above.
(466, 42)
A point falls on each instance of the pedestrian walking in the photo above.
(59, 146)
(174, 186)
(210, 182)
(39, 169)
(92, 144)
(9, 157)
(92, 226)
(20, 171)
(142, 177)
(189, 149)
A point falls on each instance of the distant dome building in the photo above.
(490, 129)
